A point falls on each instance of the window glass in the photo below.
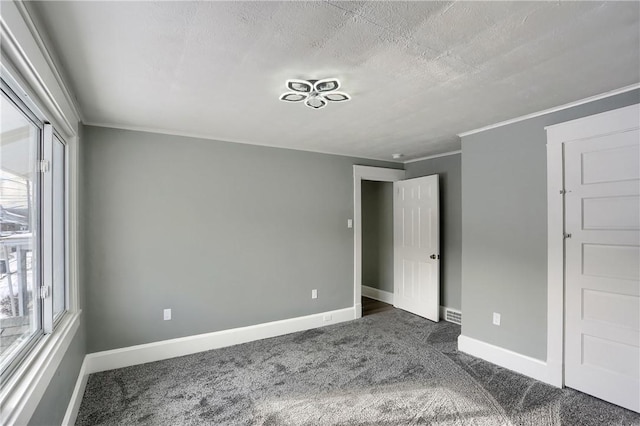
(19, 233)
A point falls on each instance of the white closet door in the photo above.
(602, 214)
(417, 246)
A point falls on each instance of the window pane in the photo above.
(19, 301)
(59, 266)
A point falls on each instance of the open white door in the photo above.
(416, 239)
(602, 181)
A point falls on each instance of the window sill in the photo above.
(21, 394)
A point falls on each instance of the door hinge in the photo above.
(564, 191)
(435, 256)
(44, 291)
(566, 235)
(44, 166)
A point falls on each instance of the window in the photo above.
(58, 170)
(33, 278)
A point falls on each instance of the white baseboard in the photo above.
(514, 361)
(156, 351)
(374, 293)
(71, 414)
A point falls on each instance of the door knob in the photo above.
(435, 256)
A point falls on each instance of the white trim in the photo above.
(554, 109)
(23, 68)
(46, 229)
(557, 135)
(514, 361)
(73, 408)
(555, 262)
(361, 173)
(165, 349)
(133, 355)
(377, 294)
(378, 174)
(431, 157)
(21, 395)
(358, 309)
(591, 126)
(29, 68)
(72, 222)
(161, 131)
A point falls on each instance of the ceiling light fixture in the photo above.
(316, 94)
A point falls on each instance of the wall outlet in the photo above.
(349, 223)
(326, 318)
(314, 294)
(496, 318)
(167, 314)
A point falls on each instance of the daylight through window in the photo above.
(33, 282)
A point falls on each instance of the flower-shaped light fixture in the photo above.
(315, 93)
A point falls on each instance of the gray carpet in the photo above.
(392, 368)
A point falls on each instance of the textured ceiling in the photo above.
(418, 72)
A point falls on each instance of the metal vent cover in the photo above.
(453, 316)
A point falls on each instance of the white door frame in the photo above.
(361, 173)
(582, 128)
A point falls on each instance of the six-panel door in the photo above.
(417, 246)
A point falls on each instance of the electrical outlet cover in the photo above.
(496, 318)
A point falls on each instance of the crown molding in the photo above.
(554, 109)
(212, 138)
(431, 157)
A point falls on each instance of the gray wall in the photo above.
(377, 234)
(504, 229)
(450, 222)
(226, 235)
(54, 402)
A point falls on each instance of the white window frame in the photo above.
(49, 318)
(16, 354)
(67, 251)
(43, 233)
(27, 65)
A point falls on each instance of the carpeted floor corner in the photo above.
(391, 368)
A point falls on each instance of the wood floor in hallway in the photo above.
(372, 306)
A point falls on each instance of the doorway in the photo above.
(416, 257)
(360, 174)
(377, 246)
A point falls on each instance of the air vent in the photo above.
(453, 316)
